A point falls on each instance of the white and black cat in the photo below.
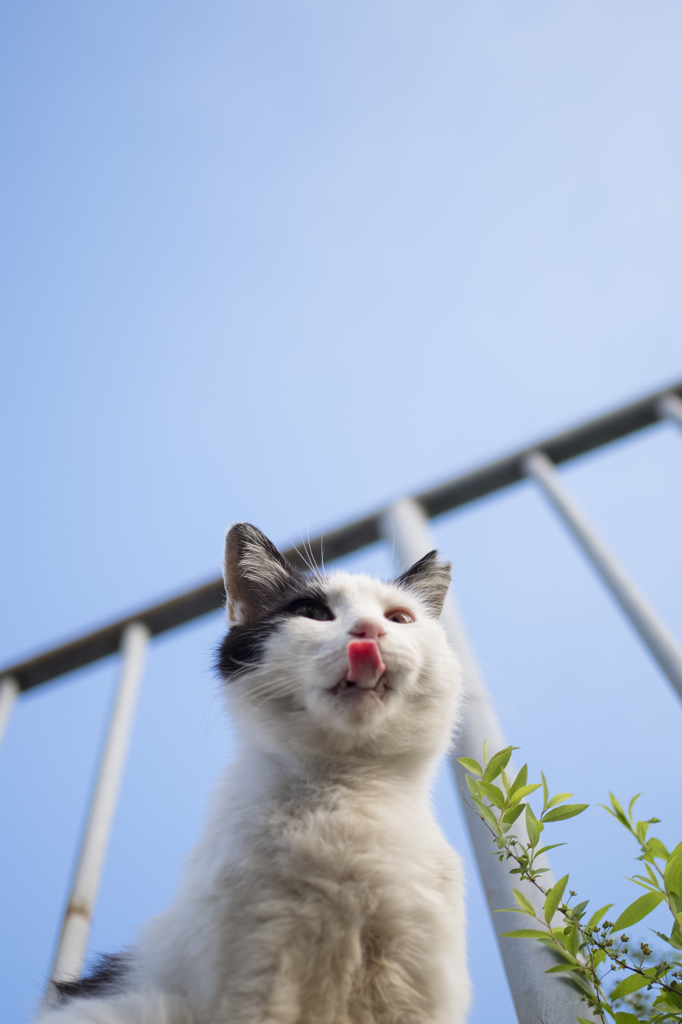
(322, 891)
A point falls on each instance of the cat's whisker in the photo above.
(303, 555)
(308, 558)
(315, 568)
(270, 688)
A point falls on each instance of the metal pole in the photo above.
(642, 616)
(353, 536)
(670, 407)
(536, 996)
(73, 940)
(9, 688)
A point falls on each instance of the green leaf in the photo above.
(652, 876)
(523, 933)
(472, 785)
(578, 910)
(562, 967)
(638, 910)
(619, 810)
(669, 999)
(598, 957)
(567, 811)
(632, 804)
(545, 791)
(553, 898)
(582, 984)
(644, 883)
(471, 765)
(657, 848)
(674, 939)
(560, 938)
(509, 817)
(641, 828)
(523, 791)
(493, 793)
(672, 876)
(559, 798)
(524, 902)
(497, 763)
(628, 985)
(666, 938)
(572, 936)
(626, 1018)
(487, 814)
(533, 826)
(520, 780)
(597, 916)
(544, 849)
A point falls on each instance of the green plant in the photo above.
(588, 950)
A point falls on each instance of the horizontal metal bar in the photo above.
(642, 616)
(457, 492)
(73, 939)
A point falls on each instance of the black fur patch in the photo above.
(105, 977)
(243, 646)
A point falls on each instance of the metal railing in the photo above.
(405, 523)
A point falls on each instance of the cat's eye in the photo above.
(307, 609)
(399, 615)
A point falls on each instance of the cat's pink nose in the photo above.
(365, 664)
(368, 629)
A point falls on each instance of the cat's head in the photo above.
(336, 664)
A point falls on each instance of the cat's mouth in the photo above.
(366, 672)
(355, 691)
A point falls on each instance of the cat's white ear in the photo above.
(256, 574)
(429, 579)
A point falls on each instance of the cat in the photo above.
(322, 891)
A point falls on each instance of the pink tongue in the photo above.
(366, 664)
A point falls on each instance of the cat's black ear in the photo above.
(429, 579)
(257, 576)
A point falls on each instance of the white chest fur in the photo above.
(339, 903)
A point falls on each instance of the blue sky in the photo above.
(285, 263)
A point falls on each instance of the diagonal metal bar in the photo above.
(536, 996)
(73, 939)
(447, 496)
(642, 616)
(670, 407)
